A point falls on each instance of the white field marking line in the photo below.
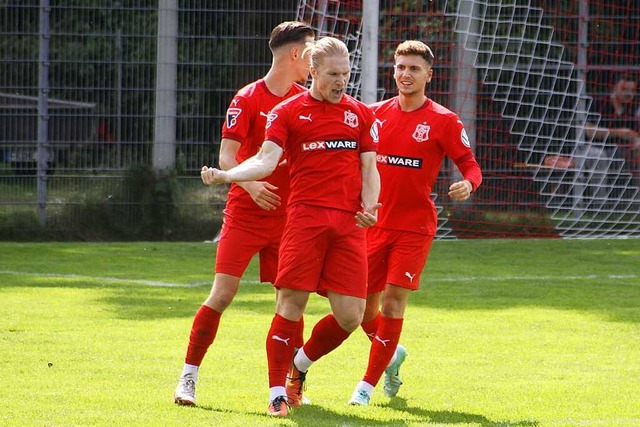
(532, 278)
(256, 282)
(107, 279)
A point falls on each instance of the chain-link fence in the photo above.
(93, 145)
(108, 109)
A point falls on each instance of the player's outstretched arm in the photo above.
(263, 193)
(256, 167)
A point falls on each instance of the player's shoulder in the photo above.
(350, 101)
(249, 96)
(441, 110)
(292, 101)
(383, 105)
(252, 89)
(288, 106)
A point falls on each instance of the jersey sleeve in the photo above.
(238, 120)
(458, 149)
(277, 130)
(369, 134)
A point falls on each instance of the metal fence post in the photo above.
(43, 111)
(164, 144)
(370, 18)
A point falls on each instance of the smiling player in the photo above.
(415, 135)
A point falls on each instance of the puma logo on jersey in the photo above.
(264, 114)
(277, 338)
(410, 276)
(301, 117)
(384, 342)
(380, 122)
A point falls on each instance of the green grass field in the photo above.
(502, 333)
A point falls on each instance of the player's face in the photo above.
(330, 78)
(412, 73)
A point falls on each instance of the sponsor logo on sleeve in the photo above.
(335, 144)
(270, 118)
(232, 116)
(393, 160)
(375, 132)
(465, 138)
(421, 133)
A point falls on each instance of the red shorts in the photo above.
(323, 250)
(396, 257)
(244, 236)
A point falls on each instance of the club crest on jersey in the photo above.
(465, 138)
(232, 116)
(270, 118)
(421, 134)
(351, 119)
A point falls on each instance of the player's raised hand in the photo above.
(368, 216)
(211, 176)
(460, 191)
(263, 194)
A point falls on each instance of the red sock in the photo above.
(371, 327)
(280, 349)
(203, 332)
(382, 348)
(325, 337)
(298, 339)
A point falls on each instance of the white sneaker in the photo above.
(392, 380)
(360, 397)
(185, 393)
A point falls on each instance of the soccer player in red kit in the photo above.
(255, 215)
(416, 134)
(330, 140)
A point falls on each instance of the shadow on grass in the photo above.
(318, 416)
(617, 301)
(518, 274)
(611, 302)
(453, 417)
(145, 303)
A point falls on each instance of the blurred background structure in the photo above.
(108, 109)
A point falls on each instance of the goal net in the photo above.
(539, 88)
(528, 79)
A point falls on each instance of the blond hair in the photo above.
(326, 46)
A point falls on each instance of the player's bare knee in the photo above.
(393, 308)
(349, 320)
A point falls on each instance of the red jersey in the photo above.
(245, 122)
(412, 147)
(323, 142)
